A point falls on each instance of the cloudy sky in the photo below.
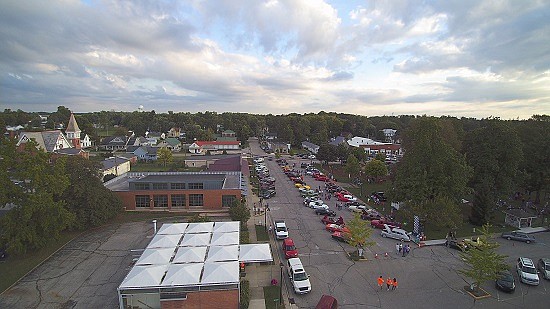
(460, 58)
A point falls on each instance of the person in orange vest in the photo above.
(242, 266)
(380, 282)
(394, 284)
(389, 283)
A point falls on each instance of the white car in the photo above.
(527, 272)
(350, 198)
(395, 233)
(322, 206)
(298, 276)
(355, 208)
(316, 204)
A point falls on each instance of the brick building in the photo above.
(177, 191)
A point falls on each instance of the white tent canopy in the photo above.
(196, 240)
(224, 239)
(225, 227)
(144, 276)
(190, 255)
(183, 274)
(220, 273)
(255, 253)
(156, 256)
(203, 227)
(223, 253)
(164, 241)
(172, 228)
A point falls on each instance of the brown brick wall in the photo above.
(205, 300)
(212, 198)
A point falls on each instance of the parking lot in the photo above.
(428, 277)
(85, 273)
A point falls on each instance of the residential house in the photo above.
(311, 147)
(358, 141)
(389, 134)
(227, 135)
(111, 143)
(278, 146)
(171, 143)
(85, 142)
(117, 166)
(337, 141)
(174, 132)
(154, 137)
(144, 153)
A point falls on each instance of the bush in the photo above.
(245, 294)
(244, 237)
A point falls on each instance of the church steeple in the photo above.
(73, 132)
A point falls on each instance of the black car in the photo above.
(506, 282)
(267, 194)
(327, 212)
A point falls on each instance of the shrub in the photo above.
(245, 294)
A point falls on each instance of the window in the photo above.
(177, 186)
(196, 200)
(160, 200)
(178, 200)
(142, 201)
(141, 186)
(160, 186)
(227, 200)
(196, 185)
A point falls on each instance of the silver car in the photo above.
(527, 272)
(544, 268)
(519, 236)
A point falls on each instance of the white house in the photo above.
(86, 142)
(203, 146)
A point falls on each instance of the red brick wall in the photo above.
(205, 300)
(212, 198)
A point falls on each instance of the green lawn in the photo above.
(16, 267)
(271, 295)
(261, 233)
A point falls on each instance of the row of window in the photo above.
(164, 186)
(179, 200)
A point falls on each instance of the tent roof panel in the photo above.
(164, 241)
(172, 228)
(220, 273)
(202, 227)
(196, 240)
(249, 253)
(233, 226)
(144, 276)
(183, 274)
(190, 255)
(225, 239)
(156, 256)
(223, 253)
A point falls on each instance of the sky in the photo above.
(460, 58)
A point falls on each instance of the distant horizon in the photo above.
(474, 59)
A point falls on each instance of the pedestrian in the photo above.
(389, 283)
(400, 247)
(380, 282)
(397, 249)
(404, 250)
(394, 284)
(408, 249)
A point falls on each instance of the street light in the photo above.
(265, 216)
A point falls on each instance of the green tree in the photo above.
(239, 212)
(380, 156)
(326, 153)
(431, 170)
(164, 156)
(376, 169)
(359, 233)
(342, 151)
(86, 197)
(352, 166)
(494, 152)
(483, 263)
(359, 153)
(39, 214)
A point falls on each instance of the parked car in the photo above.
(379, 195)
(298, 276)
(289, 248)
(358, 209)
(506, 282)
(339, 236)
(336, 228)
(267, 194)
(544, 268)
(473, 242)
(379, 223)
(395, 233)
(370, 214)
(326, 212)
(527, 272)
(319, 206)
(519, 236)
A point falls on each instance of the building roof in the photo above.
(172, 141)
(202, 143)
(337, 140)
(46, 140)
(227, 164)
(358, 141)
(195, 255)
(109, 163)
(309, 145)
(72, 126)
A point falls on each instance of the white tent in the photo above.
(183, 274)
(203, 227)
(255, 253)
(190, 255)
(164, 241)
(225, 227)
(144, 276)
(156, 256)
(220, 273)
(172, 228)
(196, 240)
(225, 239)
(223, 253)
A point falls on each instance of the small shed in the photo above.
(518, 218)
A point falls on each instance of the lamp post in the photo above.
(265, 216)
(281, 284)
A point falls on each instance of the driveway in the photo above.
(85, 273)
(428, 277)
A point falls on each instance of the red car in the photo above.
(289, 248)
(379, 224)
(337, 228)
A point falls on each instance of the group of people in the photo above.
(402, 249)
(390, 283)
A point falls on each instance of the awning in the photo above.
(250, 253)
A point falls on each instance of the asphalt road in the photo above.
(427, 277)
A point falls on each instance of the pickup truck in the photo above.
(280, 230)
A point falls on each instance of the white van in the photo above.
(298, 276)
